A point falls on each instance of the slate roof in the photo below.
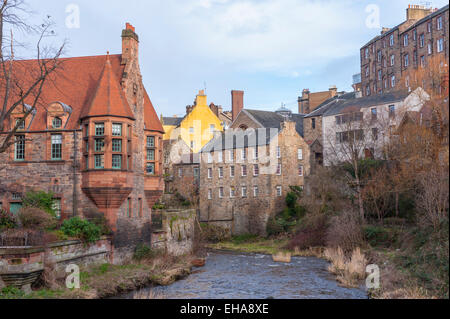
(172, 121)
(343, 106)
(328, 104)
(273, 120)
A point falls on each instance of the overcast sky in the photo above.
(271, 49)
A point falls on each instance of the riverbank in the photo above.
(106, 280)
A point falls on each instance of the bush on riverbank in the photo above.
(81, 229)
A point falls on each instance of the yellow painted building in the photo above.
(196, 128)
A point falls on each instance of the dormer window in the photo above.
(56, 123)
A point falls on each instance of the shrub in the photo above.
(143, 251)
(98, 218)
(159, 206)
(376, 235)
(36, 219)
(345, 231)
(311, 233)
(81, 229)
(273, 227)
(213, 233)
(40, 200)
(7, 220)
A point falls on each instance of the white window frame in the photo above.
(243, 154)
(439, 23)
(392, 60)
(220, 172)
(300, 153)
(231, 155)
(255, 191)
(279, 191)
(244, 192)
(221, 192)
(440, 45)
(256, 170)
(244, 168)
(232, 192)
(302, 170)
(278, 152)
(232, 171)
(209, 194)
(220, 156)
(391, 40)
(279, 169)
(405, 40)
(209, 173)
(210, 158)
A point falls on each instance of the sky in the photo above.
(271, 49)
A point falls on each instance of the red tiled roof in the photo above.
(108, 98)
(78, 82)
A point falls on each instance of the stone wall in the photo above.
(177, 234)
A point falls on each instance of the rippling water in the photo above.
(254, 276)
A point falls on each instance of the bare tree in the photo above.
(21, 84)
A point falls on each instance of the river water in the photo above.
(254, 276)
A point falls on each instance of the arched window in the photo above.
(57, 122)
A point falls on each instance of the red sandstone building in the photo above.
(95, 141)
(387, 59)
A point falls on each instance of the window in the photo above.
(255, 153)
(19, 151)
(209, 173)
(278, 152)
(150, 141)
(232, 191)
(210, 158)
(191, 130)
(278, 169)
(57, 147)
(430, 47)
(379, 75)
(117, 145)
(244, 154)
(244, 170)
(367, 71)
(313, 124)
(231, 156)
(422, 61)
(86, 130)
(209, 194)
(129, 212)
(220, 157)
(366, 53)
(421, 40)
(406, 60)
(255, 191)
(414, 34)
(256, 170)
(57, 122)
(220, 192)
(56, 206)
(220, 172)
(99, 145)
(300, 170)
(180, 172)
(117, 129)
(300, 154)
(117, 161)
(99, 161)
(393, 81)
(367, 90)
(244, 191)
(150, 155)
(405, 40)
(150, 168)
(440, 45)
(212, 128)
(232, 171)
(391, 40)
(279, 191)
(392, 60)
(99, 129)
(439, 23)
(373, 112)
(196, 171)
(375, 134)
(379, 56)
(391, 111)
(429, 27)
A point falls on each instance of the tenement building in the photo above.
(246, 172)
(94, 141)
(387, 59)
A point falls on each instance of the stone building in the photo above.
(94, 141)
(408, 46)
(312, 126)
(309, 101)
(245, 172)
(366, 124)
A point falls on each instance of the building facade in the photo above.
(245, 173)
(309, 101)
(386, 59)
(95, 142)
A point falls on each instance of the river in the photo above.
(254, 276)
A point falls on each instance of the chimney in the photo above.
(237, 102)
(333, 90)
(417, 12)
(130, 44)
(303, 102)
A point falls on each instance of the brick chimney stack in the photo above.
(237, 100)
(417, 12)
(130, 44)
